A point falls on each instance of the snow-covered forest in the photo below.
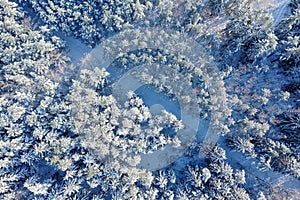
(150, 99)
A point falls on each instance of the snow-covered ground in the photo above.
(77, 49)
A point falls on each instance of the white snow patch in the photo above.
(156, 109)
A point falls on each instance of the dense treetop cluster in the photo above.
(90, 20)
(64, 134)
